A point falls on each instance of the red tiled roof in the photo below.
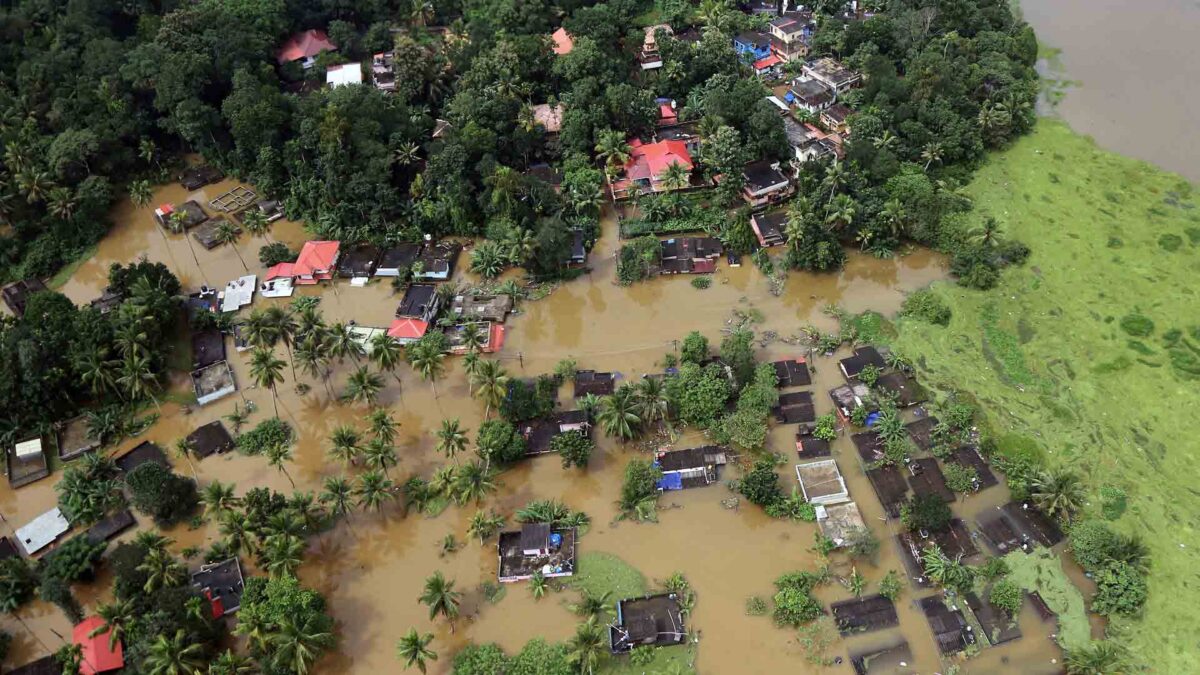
(650, 160)
(316, 259)
(666, 112)
(563, 44)
(96, 656)
(281, 271)
(303, 45)
(763, 64)
(407, 329)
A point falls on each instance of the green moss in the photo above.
(1042, 571)
(1127, 425)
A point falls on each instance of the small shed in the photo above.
(98, 653)
(795, 408)
(861, 615)
(592, 382)
(110, 527)
(27, 462)
(950, 628)
(792, 373)
(213, 382)
(146, 451)
(222, 584)
(212, 438)
(42, 531)
(822, 482)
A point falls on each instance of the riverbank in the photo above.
(1113, 240)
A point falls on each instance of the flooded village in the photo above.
(371, 567)
(605, 387)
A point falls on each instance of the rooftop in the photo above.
(838, 113)
(395, 257)
(811, 92)
(358, 261)
(793, 373)
(95, 654)
(419, 300)
(208, 347)
(563, 43)
(769, 228)
(839, 521)
(653, 620)
(831, 71)
(795, 408)
(762, 175)
(344, 74)
(591, 382)
(305, 45)
(111, 526)
(146, 451)
(821, 482)
(863, 356)
(950, 629)
(550, 117)
(860, 615)
(40, 532)
(222, 584)
(17, 294)
(890, 488)
(209, 439)
(481, 306)
(926, 478)
(515, 565)
(213, 382)
(26, 462)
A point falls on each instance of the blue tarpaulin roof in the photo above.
(671, 481)
(872, 419)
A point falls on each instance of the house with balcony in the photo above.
(831, 73)
(649, 57)
(764, 183)
(809, 95)
(790, 34)
(752, 47)
(836, 119)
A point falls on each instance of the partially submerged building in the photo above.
(539, 432)
(111, 526)
(42, 531)
(950, 629)
(536, 547)
(437, 261)
(195, 177)
(795, 408)
(769, 228)
(358, 264)
(17, 294)
(894, 659)
(811, 447)
(792, 373)
(213, 382)
(420, 304)
(821, 482)
(890, 487)
(764, 183)
(862, 615)
(591, 382)
(222, 584)
(207, 234)
(146, 451)
(652, 621)
(316, 262)
(190, 214)
(851, 366)
(208, 347)
(831, 73)
(481, 307)
(209, 439)
(905, 390)
(998, 627)
(693, 467)
(27, 462)
(847, 397)
(838, 522)
(492, 333)
(238, 293)
(75, 439)
(98, 652)
(926, 479)
(398, 259)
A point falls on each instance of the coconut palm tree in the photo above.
(488, 260)
(474, 481)
(116, 615)
(374, 490)
(284, 555)
(651, 397)
(283, 323)
(591, 604)
(228, 233)
(344, 445)
(485, 525)
(387, 354)
(312, 353)
(267, 371)
(238, 418)
(1058, 493)
(406, 154)
(99, 373)
(1103, 657)
(470, 367)
(141, 193)
(161, 570)
(175, 656)
(451, 439)
(379, 454)
(894, 216)
(363, 386)
(835, 178)
(176, 223)
(383, 426)
(256, 223)
(473, 337)
(986, 234)
(441, 598)
(229, 663)
(491, 383)
(278, 456)
(183, 449)
(297, 643)
(218, 499)
(618, 414)
(414, 649)
(840, 212)
(506, 185)
(430, 363)
(932, 152)
(342, 343)
(338, 496)
(137, 379)
(61, 203)
(518, 245)
(238, 539)
(675, 177)
(612, 149)
(259, 331)
(585, 648)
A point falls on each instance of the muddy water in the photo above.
(1135, 64)
(372, 567)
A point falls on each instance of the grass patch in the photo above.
(1042, 571)
(1129, 428)
(64, 274)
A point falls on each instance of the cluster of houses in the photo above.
(305, 47)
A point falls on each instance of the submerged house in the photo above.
(693, 467)
(416, 312)
(851, 366)
(652, 621)
(305, 47)
(536, 547)
(98, 652)
(397, 259)
(358, 264)
(481, 307)
(42, 531)
(769, 228)
(492, 332)
(838, 522)
(848, 397)
(591, 382)
(316, 262)
(792, 372)
(538, 433)
(436, 262)
(689, 255)
(26, 462)
(213, 382)
(822, 482)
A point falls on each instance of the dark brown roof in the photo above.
(889, 487)
(921, 431)
(796, 407)
(792, 373)
(144, 452)
(969, 456)
(208, 347)
(950, 629)
(400, 255)
(535, 536)
(1034, 523)
(110, 526)
(860, 615)
(210, 438)
(863, 357)
(358, 261)
(16, 294)
(591, 382)
(926, 478)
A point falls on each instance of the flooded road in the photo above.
(372, 568)
(1133, 65)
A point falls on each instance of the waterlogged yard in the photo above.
(1093, 352)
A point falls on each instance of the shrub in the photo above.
(701, 283)
(479, 660)
(694, 348)
(861, 543)
(890, 585)
(17, 583)
(925, 305)
(1112, 502)
(959, 477)
(826, 427)
(1120, 589)
(756, 606)
(640, 484)
(641, 656)
(161, 494)
(1137, 325)
(268, 435)
(745, 428)
(58, 591)
(794, 603)
(637, 259)
(75, 560)
(275, 253)
(994, 568)
(499, 441)
(858, 416)
(926, 512)
(574, 447)
(525, 401)
(1005, 595)
(761, 484)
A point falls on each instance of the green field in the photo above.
(1092, 350)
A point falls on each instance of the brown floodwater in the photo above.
(372, 568)
(1134, 65)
